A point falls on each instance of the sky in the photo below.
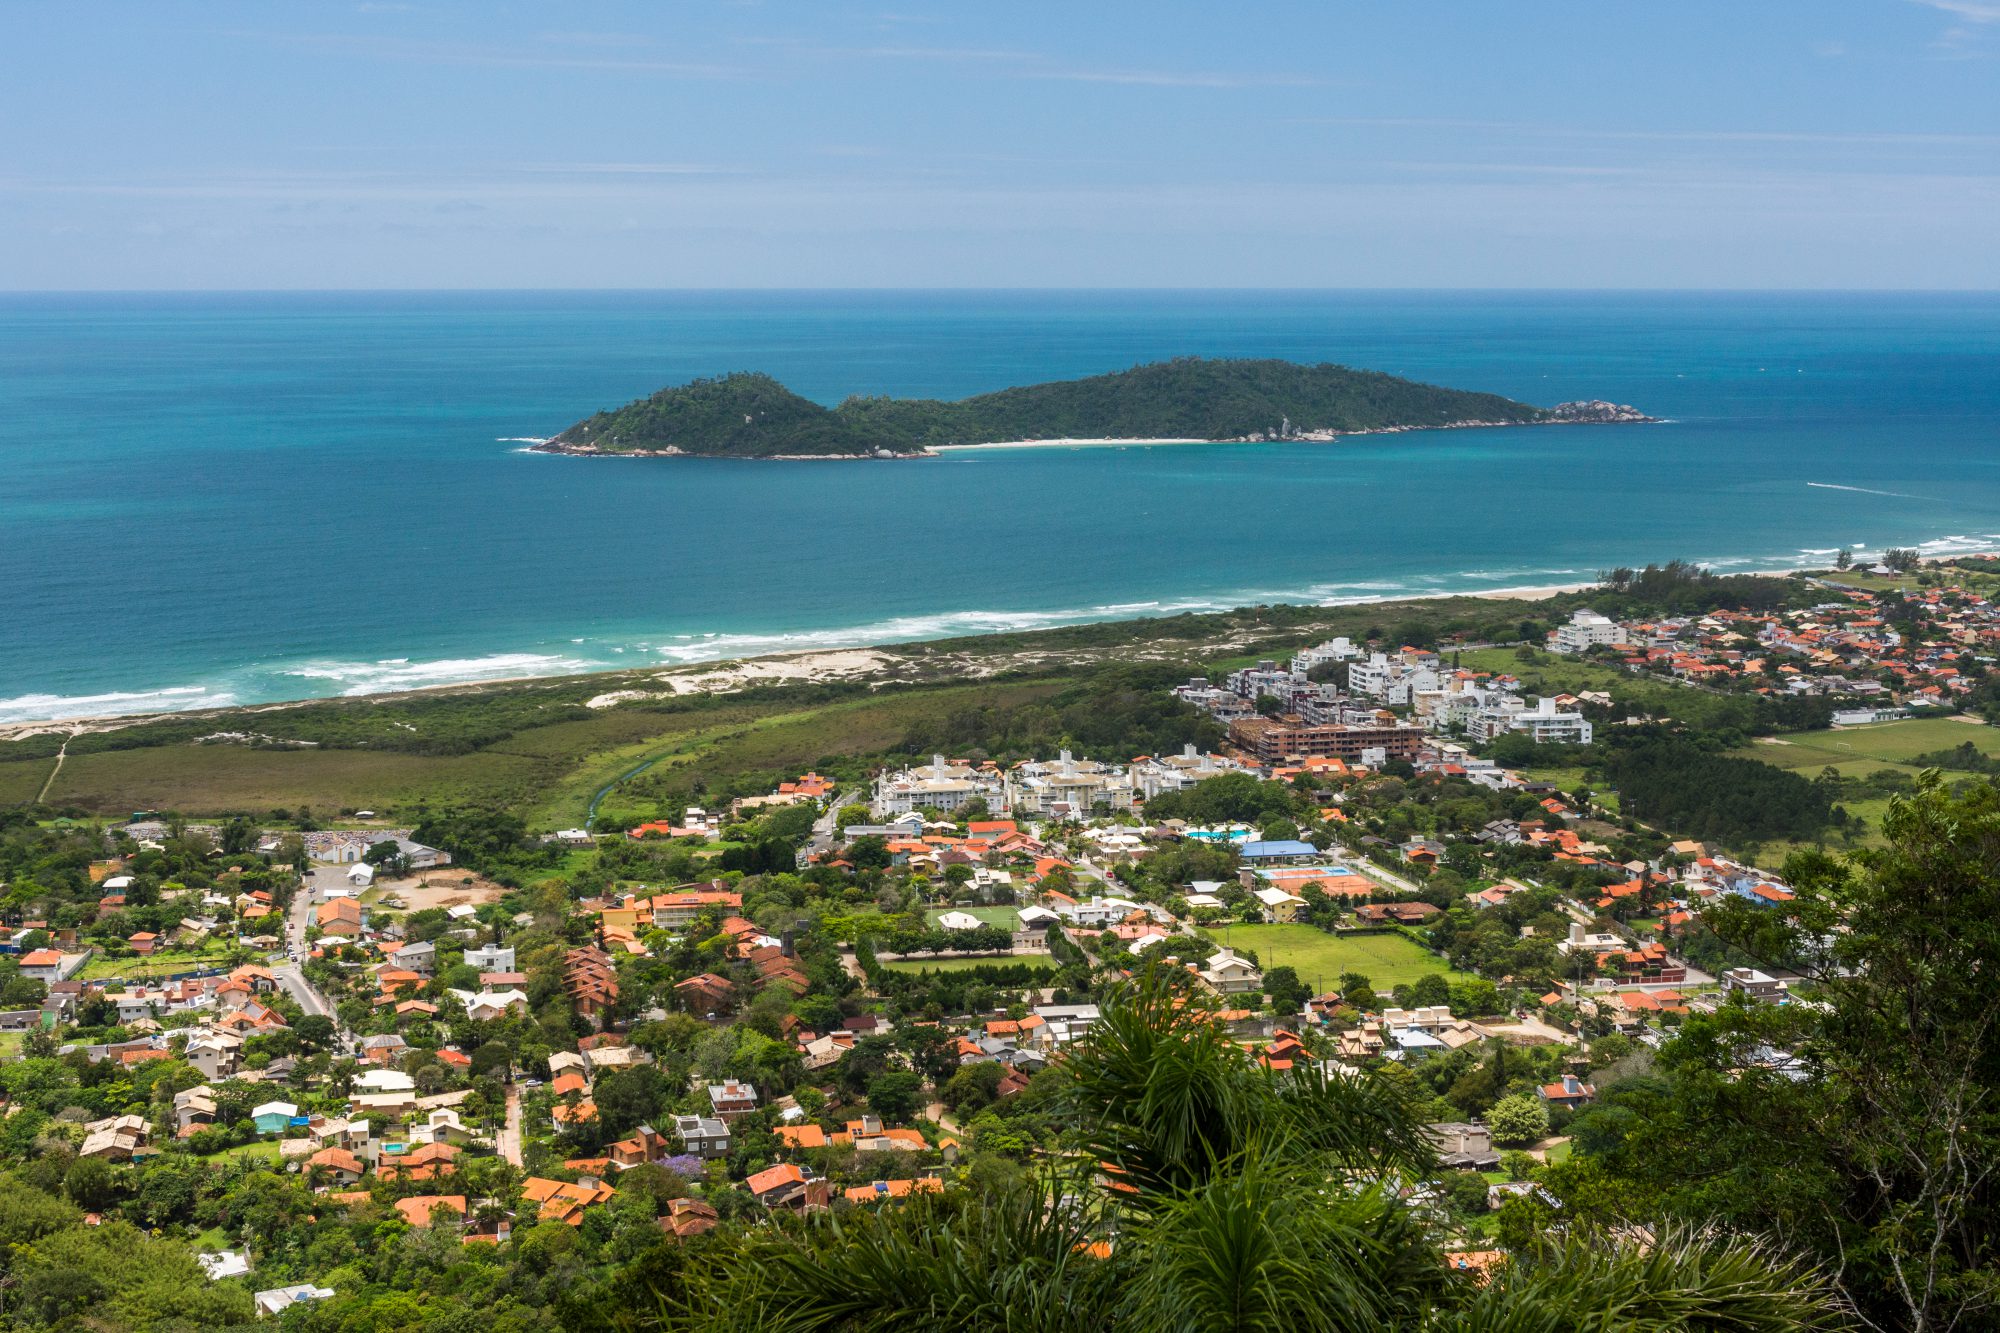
(1331, 143)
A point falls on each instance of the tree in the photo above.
(1519, 1119)
(1288, 993)
(1230, 1216)
(896, 1095)
(1844, 560)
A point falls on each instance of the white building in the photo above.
(938, 785)
(1390, 679)
(1543, 723)
(1229, 973)
(1176, 772)
(1587, 630)
(1067, 787)
(1333, 650)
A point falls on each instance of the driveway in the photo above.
(509, 1142)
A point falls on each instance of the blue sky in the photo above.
(1398, 143)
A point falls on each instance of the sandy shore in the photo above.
(881, 663)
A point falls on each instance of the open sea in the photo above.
(208, 499)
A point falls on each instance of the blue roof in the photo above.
(1287, 847)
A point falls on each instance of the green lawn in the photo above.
(1549, 673)
(1885, 742)
(157, 965)
(264, 1150)
(1386, 960)
(1040, 962)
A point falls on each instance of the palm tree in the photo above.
(1203, 1192)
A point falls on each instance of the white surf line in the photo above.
(1863, 490)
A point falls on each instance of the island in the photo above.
(1185, 400)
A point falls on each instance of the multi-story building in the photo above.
(1275, 740)
(1176, 772)
(1067, 787)
(1587, 630)
(939, 785)
(1543, 723)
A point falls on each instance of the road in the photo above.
(508, 1144)
(288, 973)
(822, 830)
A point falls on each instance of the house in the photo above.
(959, 921)
(788, 1186)
(425, 1161)
(892, 1189)
(706, 993)
(491, 958)
(213, 1054)
(484, 1006)
(732, 1100)
(1228, 973)
(273, 1117)
(417, 1209)
(688, 1217)
(341, 1165)
(193, 1109)
(51, 965)
(1571, 1092)
(115, 1139)
(1752, 984)
(224, 1263)
(420, 958)
(277, 1300)
(703, 1136)
(1464, 1147)
(1278, 905)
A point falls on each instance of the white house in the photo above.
(959, 921)
(1229, 973)
(361, 875)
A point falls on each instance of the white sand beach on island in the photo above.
(1067, 444)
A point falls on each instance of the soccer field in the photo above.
(1386, 960)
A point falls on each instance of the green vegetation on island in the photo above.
(747, 415)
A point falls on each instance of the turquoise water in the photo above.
(239, 498)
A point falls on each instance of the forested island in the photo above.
(750, 415)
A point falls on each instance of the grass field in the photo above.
(1855, 752)
(1320, 958)
(1041, 962)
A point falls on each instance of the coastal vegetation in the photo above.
(749, 415)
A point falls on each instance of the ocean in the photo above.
(210, 499)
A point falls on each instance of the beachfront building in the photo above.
(1586, 630)
(941, 784)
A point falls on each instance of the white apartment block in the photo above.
(938, 785)
(1587, 630)
(1067, 787)
(1543, 723)
(1176, 772)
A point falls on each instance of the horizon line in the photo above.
(1217, 289)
